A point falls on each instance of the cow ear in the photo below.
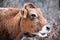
(24, 13)
(29, 5)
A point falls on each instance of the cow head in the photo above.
(32, 21)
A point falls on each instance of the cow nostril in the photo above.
(48, 28)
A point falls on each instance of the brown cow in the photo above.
(28, 21)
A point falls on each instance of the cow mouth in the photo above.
(43, 35)
(35, 35)
(27, 34)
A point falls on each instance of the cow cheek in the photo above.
(27, 26)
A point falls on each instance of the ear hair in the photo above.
(29, 5)
(24, 13)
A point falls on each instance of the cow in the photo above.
(28, 21)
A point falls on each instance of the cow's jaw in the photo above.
(45, 31)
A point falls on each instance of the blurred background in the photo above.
(49, 8)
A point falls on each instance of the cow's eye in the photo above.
(33, 16)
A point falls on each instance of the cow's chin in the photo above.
(40, 35)
(43, 35)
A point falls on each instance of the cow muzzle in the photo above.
(44, 31)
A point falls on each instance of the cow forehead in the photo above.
(35, 11)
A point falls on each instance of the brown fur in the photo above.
(13, 21)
